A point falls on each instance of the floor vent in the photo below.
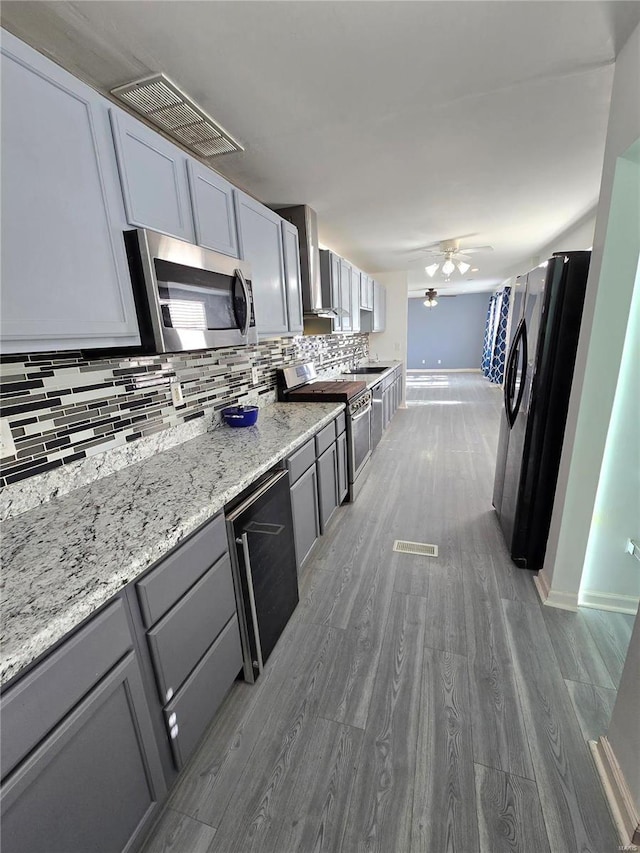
(420, 548)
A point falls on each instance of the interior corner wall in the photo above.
(611, 576)
(448, 336)
(391, 344)
(604, 324)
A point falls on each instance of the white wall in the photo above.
(392, 343)
(611, 578)
(606, 313)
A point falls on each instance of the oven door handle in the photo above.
(245, 293)
(244, 541)
(361, 414)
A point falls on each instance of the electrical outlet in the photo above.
(424, 361)
(439, 361)
(7, 446)
(254, 376)
(176, 393)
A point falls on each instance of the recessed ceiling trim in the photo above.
(160, 101)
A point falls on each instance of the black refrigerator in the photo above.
(537, 385)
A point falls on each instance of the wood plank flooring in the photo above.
(413, 704)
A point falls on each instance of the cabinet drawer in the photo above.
(168, 582)
(197, 701)
(45, 695)
(341, 424)
(325, 438)
(180, 639)
(301, 460)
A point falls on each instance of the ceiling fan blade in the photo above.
(472, 249)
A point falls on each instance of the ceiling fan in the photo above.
(447, 256)
(431, 295)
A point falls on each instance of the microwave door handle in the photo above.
(245, 293)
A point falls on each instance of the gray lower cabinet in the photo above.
(260, 235)
(153, 174)
(65, 277)
(343, 476)
(191, 710)
(306, 512)
(214, 214)
(94, 781)
(181, 638)
(327, 467)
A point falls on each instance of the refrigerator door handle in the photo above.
(520, 340)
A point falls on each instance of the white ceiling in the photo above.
(401, 123)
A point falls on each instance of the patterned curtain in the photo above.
(487, 347)
(499, 348)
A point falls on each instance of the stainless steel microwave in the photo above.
(188, 298)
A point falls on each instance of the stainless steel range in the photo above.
(300, 384)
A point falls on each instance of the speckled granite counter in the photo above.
(373, 378)
(64, 559)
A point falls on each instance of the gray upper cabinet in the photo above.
(379, 307)
(260, 236)
(292, 274)
(153, 174)
(366, 292)
(345, 295)
(355, 300)
(65, 278)
(334, 266)
(214, 214)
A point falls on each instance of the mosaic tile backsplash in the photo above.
(63, 407)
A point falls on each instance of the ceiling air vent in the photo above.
(162, 103)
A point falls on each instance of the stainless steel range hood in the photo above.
(316, 293)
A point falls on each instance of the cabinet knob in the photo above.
(173, 719)
(174, 732)
(169, 694)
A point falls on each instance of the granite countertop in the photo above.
(64, 559)
(372, 378)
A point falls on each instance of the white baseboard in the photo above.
(619, 799)
(554, 597)
(609, 601)
(444, 370)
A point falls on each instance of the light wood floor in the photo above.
(414, 704)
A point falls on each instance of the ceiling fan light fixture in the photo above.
(431, 270)
(430, 301)
(463, 267)
(448, 267)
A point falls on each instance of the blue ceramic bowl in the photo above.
(240, 416)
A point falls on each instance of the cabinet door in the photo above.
(379, 307)
(327, 466)
(292, 275)
(95, 782)
(343, 479)
(345, 294)
(214, 215)
(355, 300)
(335, 291)
(260, 236)
(65, 277)
(306, 513)
(153, 174)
